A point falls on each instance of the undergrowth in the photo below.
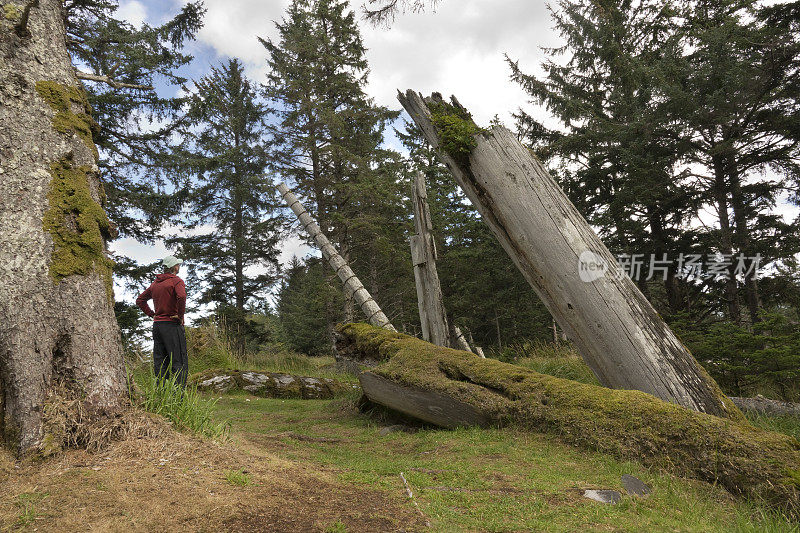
(213, 346)
(185, 408)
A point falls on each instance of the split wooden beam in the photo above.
(352, 285)
(432, 312)
(613, 326)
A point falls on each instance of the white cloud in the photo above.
(133, 12)
(457, 49)
(232, 27)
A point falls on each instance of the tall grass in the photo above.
(183, 407)
(554, 359)
(788, 424)
(212, 345)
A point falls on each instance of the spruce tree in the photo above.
(120, 66)
(736, 94)
(618, 150)
(328, 133)
(231, 228)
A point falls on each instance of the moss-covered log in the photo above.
(627, 424)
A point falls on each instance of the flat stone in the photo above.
(218, 384)
(635, 486)
(603, 496)
(391, 429)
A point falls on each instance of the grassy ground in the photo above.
(316, 465)
(177, 482)
(485, 480)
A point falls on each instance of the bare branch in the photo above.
(21, 27)
(113, 83)
(384, 11)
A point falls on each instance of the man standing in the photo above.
(168, 293)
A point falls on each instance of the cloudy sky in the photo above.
(457, 49)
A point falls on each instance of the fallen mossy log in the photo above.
(268, 384)
(450, 387)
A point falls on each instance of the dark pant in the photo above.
(169, 351)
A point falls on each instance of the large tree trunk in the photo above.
(725, 238)
(615, 329)
(57, 322)
(352, 285)
(744, 241)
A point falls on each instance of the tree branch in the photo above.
(21, 27)
(113, 83)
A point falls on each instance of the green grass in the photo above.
(488, 479)
(554, 359)
(185, 408)
(27, 502)
(787, 424)
(211, 347)
(336, 527)
(238, 478)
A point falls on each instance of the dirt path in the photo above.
(177, 482)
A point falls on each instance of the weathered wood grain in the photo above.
(429, 406)
(432, 314)
(615, 329)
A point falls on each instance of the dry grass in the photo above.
(67, 424)
(158, 479)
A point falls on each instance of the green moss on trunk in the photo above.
(77, 224)
(626, 424)
(63, 99)
(11, 12)
(456, 130)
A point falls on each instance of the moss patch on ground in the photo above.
(625, 424)
(63, 99)
(77, 224)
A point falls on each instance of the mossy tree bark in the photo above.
(57, 322)
(615, 329)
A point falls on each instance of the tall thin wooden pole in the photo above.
(432, 314)
(351, 283)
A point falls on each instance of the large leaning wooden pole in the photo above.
(615, 329)
(351, 283)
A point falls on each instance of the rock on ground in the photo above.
(268, 384)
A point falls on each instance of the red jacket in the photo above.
(169, 298)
